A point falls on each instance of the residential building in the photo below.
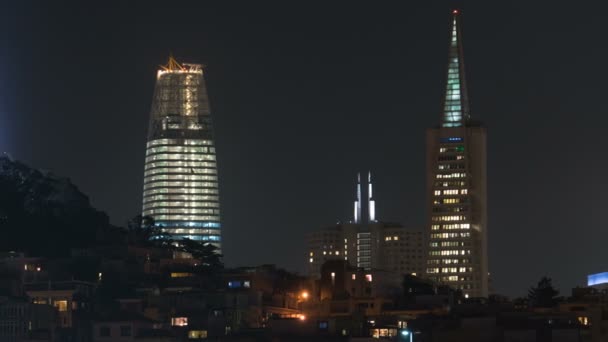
(456, 186)
(21, 320)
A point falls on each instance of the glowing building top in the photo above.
(174, 67)
(455, 105)
(365, 212)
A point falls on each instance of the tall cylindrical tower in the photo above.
(180, 177)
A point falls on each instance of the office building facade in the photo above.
(180, 179)
(456, 186)
(366, 242)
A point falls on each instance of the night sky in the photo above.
(304, 97)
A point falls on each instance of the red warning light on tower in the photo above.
(455, 11)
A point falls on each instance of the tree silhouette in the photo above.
(544, 295)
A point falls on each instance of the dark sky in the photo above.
(304, 96)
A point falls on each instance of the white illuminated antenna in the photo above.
(358, 200)
(371, 204)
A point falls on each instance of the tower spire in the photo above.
(455, 111)
(371, 203)
(358, 200)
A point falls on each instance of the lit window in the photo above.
(180, 274)
(197, 334)
(395, 238)
(179, 321)
(311, 259)
(61, 305)
(368, 277)
(354, 277)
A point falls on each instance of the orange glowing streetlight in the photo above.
(304, 295)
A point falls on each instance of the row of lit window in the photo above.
(187, 142)
(450, 209)
(179, 171)
(190, 165)
(187, 211)
(450, 175)
(452, 149)
(187, 218)
(180, 156)
(448, 261)
(453, 72)
(457, 278)
(453, 75)
(180, 149)
(192, 184)
(451, 192)
(451, 226)
(215, 225)
(454, 166)
(454, 85)
(449, 200)
(452, 105)
(190, 231)
(450, 235)
(447, 244)
(150, 205)
(449, 218)
(215, 238)
(450, 270)
(450, 184)
(391, 238)
(185, 198)
(451, 252)
(450, 158)
(186, 177)
(180, 191)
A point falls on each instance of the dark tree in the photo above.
(206, 252)
(544, 295)
(143, 232)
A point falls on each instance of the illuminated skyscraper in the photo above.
(180, 178)
(456, 185)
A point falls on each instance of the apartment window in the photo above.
(125, 330)
(179, 321)
(61, 305)
(104, 331)
(197, 334)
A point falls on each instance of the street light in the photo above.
(406, 333)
